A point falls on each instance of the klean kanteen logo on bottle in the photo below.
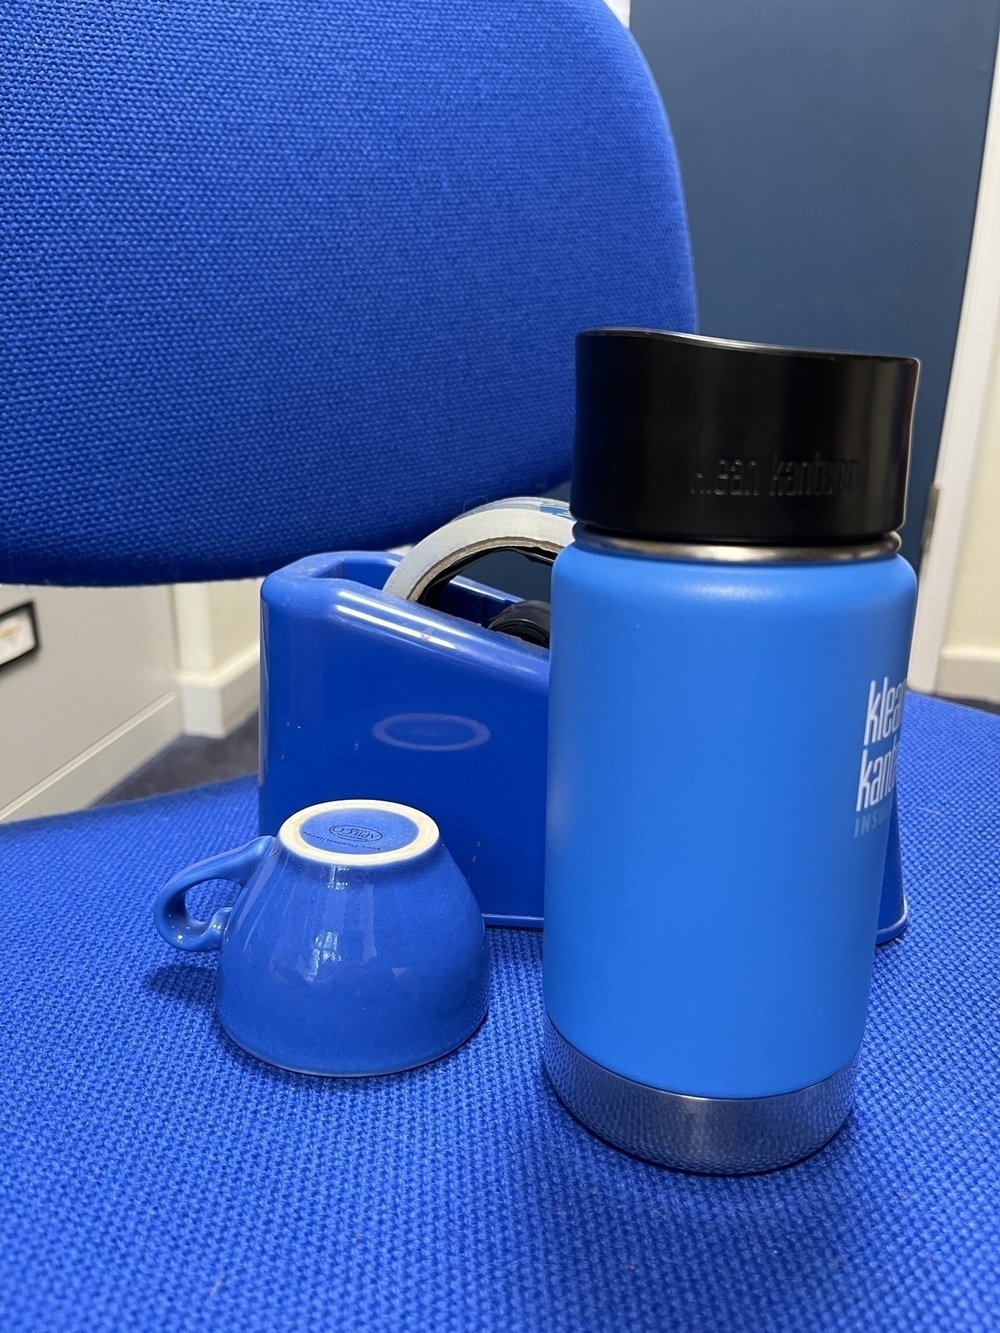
(877, 780)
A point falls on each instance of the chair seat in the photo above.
(157, 1178)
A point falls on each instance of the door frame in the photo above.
(969, 394)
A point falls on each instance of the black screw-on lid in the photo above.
(689, 439)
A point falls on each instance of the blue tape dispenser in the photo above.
(391, 678)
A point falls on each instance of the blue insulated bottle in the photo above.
(730, 634)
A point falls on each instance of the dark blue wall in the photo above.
(831, 153)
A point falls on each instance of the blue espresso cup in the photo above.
(355, 946)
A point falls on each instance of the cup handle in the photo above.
(170, 912)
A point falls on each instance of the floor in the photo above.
(191, 761)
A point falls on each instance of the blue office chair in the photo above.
(285, 276)
(276, 277)
(279, 276)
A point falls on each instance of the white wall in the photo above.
(120, 673)
(218, 654)
(956, 641)
(95, 702)
(969, 666)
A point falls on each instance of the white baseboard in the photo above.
(103, 765)
(969, 673)
(215, 702)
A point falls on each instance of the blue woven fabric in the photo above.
(282, 276)
(154, 1178)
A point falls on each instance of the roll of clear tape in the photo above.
(531, 524)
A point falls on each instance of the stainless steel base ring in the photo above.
(708, 1135)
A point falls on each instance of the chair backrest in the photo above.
(288, 276)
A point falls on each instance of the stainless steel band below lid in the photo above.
(718, 1136)
(735, 555)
